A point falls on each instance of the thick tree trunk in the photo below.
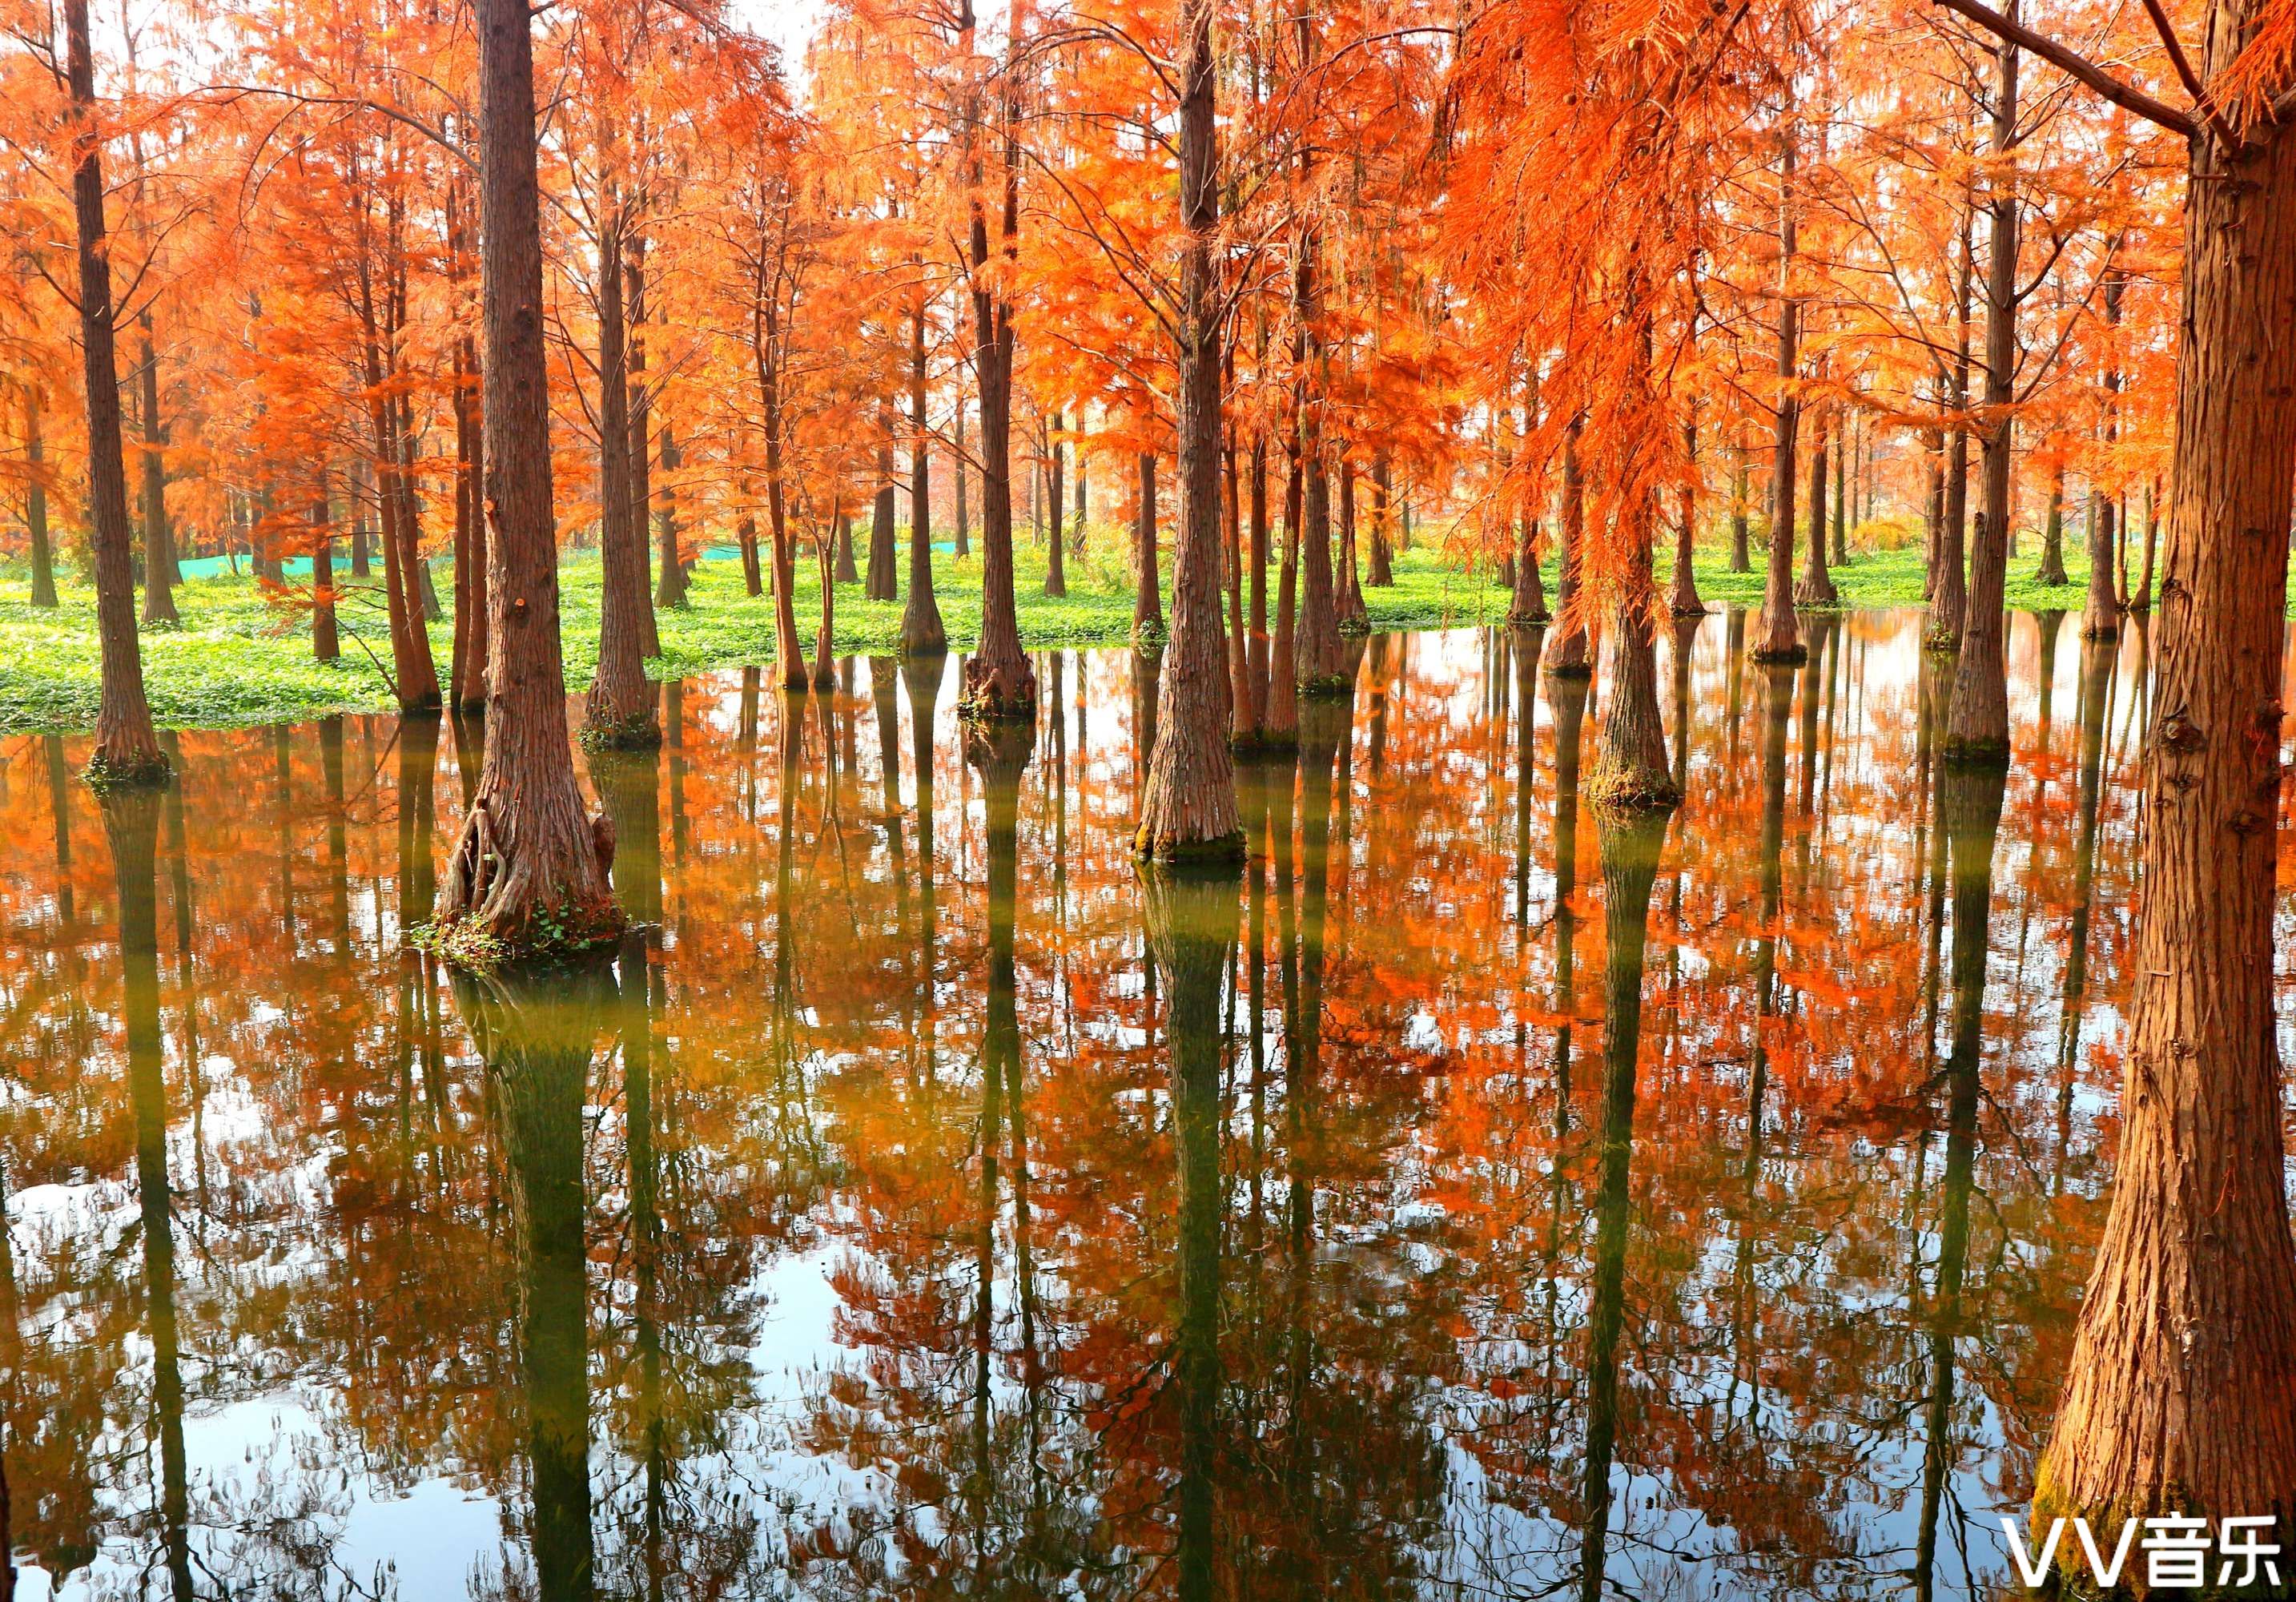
(846, 573)
(527, 876)
(36, 503)
(1187, 806)
(1243, 704)
(1817, 586)
(160, 573)
(1631, 769)
(126, 749)
(2181, 1393)
(753, 572)
(1978, 729)
(1529, 603)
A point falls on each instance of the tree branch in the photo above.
(2125, 95)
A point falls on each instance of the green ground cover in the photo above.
(239, 659)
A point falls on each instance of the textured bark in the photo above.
(963, 517)
(1187, 806)
(526, 874)
(1147, 583)
(1244, 701)
(921, 626)
(1572, 656)
(1777, 638)
(844, 572)
(2052, 571)
(126, 751)
(2181, 1393)
(1979, 728)
(1318, 657)
(753, 571)
(620, 711)
(1817, 586)
(160, 573)
(1631, 769)
(36, 503)
(1844, 464)
(999, 681)
(1528, 604)
(1948, 592)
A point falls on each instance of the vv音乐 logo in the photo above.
(2177, 1552)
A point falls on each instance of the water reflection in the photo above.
(916, 1204)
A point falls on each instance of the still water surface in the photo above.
(885, 1223)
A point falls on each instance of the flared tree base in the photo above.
(1326, 686)
(640, 731)
(1149, 633)
(1534, 617)
(1962, 750)
(105, 773)
(1819, 594)
(1355, 627)
(1627, 791)
(1181, 853)
(1002, 692)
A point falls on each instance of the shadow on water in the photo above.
(917, 1202)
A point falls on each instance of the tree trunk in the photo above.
(1817, 586)
(126, 749)
(2181, 1393)
(36, 503)
(1686, 603)
(1354, 617)
(1056, 581)
(1282, 720)
(621, 712)
(1778, 635)
(964, 519)
(1256, 649)
(1529, 603)
(1948, 588)
(1844, 466)
(921, 624)
(2052, 571)
(325, 646)
(527, 876)
(884, 575)
(1244, 707)
(160, 573)
(2140, 599)
(999, 681)
(641, 451)
(1978, 729)
(1148, 584)
(1630, 770)
(1571, 658)
(466, 688)
(362, 486)
(1187, 805)
(2101, 616)
(1381, 575)
(1741, 495)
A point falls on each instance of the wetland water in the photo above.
(884, 1223)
